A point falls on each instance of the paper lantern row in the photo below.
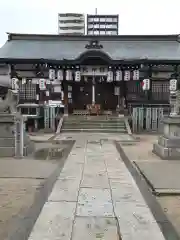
(110, 75)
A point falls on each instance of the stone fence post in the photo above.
(19, 137)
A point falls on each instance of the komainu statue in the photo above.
(8, 105)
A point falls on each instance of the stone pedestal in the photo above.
(168, 146)
(13, 140)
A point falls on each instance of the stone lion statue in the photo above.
(8, 105)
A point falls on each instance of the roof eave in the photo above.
(66, 62)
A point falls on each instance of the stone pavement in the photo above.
(95, 197)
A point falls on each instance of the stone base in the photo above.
(7, 151)
(168, 146)
(166, 153)
(169, 142)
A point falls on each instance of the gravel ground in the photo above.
(16, 195)
(142, 151)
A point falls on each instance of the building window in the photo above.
(160, 90)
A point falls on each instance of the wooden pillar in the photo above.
(149, 75)
(124, 91)
(65, 89)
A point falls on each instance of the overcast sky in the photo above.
(135, 16)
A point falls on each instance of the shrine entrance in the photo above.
(96, 87)
(94, 92)
(105, 95)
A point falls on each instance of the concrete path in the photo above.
(95, 197)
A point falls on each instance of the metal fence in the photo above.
(148, 119)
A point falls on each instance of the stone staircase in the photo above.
(111, 124)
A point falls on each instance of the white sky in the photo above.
(136, 16)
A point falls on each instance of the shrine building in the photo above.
(90, 70)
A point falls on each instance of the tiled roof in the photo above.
(54, 47)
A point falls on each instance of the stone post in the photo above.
(19, 137)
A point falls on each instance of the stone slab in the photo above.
(55, 221)
(65, 190)
(163, 176)
(127, 193)
(94, 202)
(73, 171)
(91, 228)
(99, 180)
(15, 168)
(137, 222)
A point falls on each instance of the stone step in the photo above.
(7, 142)
(103, 130)
(94, 122)
(7, 151)
(86, 126)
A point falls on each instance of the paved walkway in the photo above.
(95, 197)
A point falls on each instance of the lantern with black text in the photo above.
(109, 76)
(60, 75)
(14, 83)
(118, 75)
(146, 84)
(68, 75)
(42, 84)
(173, 85)
(77, 76)
(136, 75)
(52, 74)
(127, 75)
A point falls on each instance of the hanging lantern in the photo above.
(42, 84)
(127, 75)
(14, 83)
(77, 76)
(60, 75)
(68, 75)
(118, 75)
(37, 97)
(109, 76)
(136, 75)
(52, 74)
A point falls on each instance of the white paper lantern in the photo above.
(109, 76)
(127, 75)
(118, 75)
(136, 75)
(14, 83)
(37, 97)
(60, 75)
(42, 84)
(173, 85)
(77, 76)
(68, 75)
(52, 74)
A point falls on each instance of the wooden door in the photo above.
(81, 95)
(105, 96)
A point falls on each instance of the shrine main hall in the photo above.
(82, 71)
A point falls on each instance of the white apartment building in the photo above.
(71, 24)
(102, 24)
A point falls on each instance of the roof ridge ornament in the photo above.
(94, 44)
